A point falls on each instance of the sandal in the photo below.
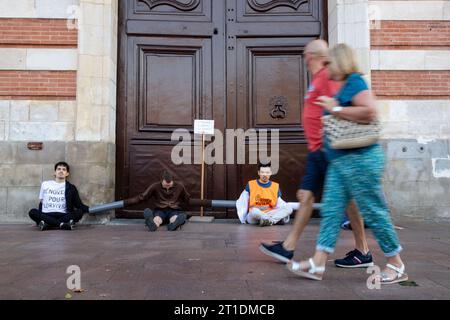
(400, 275)
(314, 272)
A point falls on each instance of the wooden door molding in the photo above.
(182, 6)
(174, 85)
(267, 6)
(266, 72)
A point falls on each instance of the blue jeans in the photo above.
(165, 214)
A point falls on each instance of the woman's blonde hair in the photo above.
(344, 60)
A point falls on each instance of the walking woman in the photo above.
(352, 174)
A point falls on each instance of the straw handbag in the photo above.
(345, 134)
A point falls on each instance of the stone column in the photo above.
(93, 151)
(348, 22)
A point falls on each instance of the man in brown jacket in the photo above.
(167, 196)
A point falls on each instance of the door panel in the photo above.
(238, 62)
(147, 161)
(158, 76)
(267, 79)
(171, 71)
(272, 83)
(174, 81)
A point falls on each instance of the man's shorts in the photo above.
(166, 214)
(315, 171)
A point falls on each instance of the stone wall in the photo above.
(417, 178)
(402, 47)
(22, 171)
(75, 124)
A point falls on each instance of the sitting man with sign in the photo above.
(261, 203)
(60, 205)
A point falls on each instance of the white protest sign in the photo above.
(204, 127)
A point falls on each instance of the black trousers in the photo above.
(166, 214)
(54, 219)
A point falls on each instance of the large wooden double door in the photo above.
(238, 62)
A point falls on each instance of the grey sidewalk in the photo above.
(204, 261)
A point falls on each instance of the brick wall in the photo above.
(421, 70)
(37, 33)
(411, 35)
(49, 85)
(410, 63)
(57, 86)
(411, 84)
(19, 80)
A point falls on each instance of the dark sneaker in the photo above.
(346, 225)
(43, 226)
(355, 259)
(179, 221)
(150, 224)
(65, 226)
(277, 251)
(148, 213)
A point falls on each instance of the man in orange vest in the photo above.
(261, 203)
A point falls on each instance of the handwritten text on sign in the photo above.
(204, 127)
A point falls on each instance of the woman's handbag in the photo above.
(345, 134)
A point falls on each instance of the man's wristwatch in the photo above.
(337, 109)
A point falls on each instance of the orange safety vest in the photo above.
(263, 198)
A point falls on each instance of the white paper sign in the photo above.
(204, 127)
